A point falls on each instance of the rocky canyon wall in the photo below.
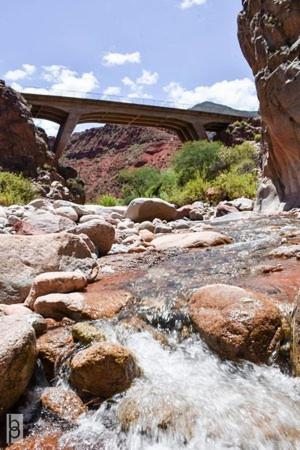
(269, 35)
(22, 147)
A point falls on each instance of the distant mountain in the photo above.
(222, 109)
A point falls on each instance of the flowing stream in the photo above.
(187, 398)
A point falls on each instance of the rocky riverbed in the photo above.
(141, 328)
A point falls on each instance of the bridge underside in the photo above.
(68, 112)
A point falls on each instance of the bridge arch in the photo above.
(68, 112)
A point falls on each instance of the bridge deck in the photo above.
(70, 111)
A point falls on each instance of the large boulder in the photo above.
(43, 223)
(101, 233)
(22, 147)
(103, 370)
(142, 209)
(236, 323)
(17, 359)
(28, 256)
(190, 240)
(269, 38)
(82, 305)
(47, 283)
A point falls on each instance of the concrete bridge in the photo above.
(189, 124)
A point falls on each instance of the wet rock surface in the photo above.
(236, 323)
(137, 341)
(63, 403)
(103, 369)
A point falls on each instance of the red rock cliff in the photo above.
(22, 147)
(99, 154)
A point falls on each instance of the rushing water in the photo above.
(187, 398)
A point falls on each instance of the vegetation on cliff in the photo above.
(199, 171)
(15, 189)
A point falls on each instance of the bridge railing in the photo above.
(102, 96)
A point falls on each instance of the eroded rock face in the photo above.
(236, 323)
(269, 38)
(17, 359)
(22, 147)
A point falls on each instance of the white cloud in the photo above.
(68, 82)
(62, 81)
(136, 87)
(19, 74)
(118, 59)
(240, 94)
(51, 128)
(185, 4)
(128, 82)
(112, 90)
(148, 78)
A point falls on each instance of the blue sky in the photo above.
(183, 51)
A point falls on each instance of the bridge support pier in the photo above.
(200, 131)
(64, 133)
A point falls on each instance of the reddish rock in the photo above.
(190, 240)
(103, 370)
(52, 346)
(223, 209)
(269, 38)
(99, 154)
(184, 211)
(63, 402)
(236, 323)
(146, 235)
(22, 147)
(80, 306)
(50, 282)
(39, 442)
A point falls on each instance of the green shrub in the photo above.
(168, 186)
(15, 189)
(198, 166)
(108, 200)
(233, 185)
(192, 191)
(231, 156)
(197, 158)
(141, 182)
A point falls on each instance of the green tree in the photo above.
(197, 158)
